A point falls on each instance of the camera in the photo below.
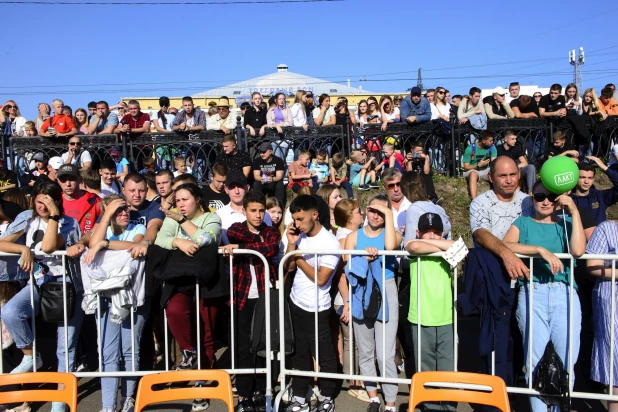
(416, 155)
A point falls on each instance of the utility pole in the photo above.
(419, 80)
(576, 62)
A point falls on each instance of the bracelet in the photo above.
(106, 244)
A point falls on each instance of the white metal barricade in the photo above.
(287, 371)
(267, 370)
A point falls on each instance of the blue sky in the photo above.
(90, 47)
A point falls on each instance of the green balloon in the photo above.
(559, 174)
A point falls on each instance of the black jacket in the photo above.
(176, 272)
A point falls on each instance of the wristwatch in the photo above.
(55, 217)
(182, 220)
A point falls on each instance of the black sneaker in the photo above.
(325, 405)
(373, 185)
(374, 407)
(244, 406)
(259, 401)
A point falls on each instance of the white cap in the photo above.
(55, 162)
(499, 90)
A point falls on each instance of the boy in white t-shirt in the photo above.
(306, 233)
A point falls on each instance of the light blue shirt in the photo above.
(112, 120)
(120, 165)
(129, 234)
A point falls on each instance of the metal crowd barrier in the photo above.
(287, 372)
(134, 372)
(23, 148)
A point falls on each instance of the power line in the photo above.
(163, 3)
(458, 78)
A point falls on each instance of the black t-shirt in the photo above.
(514, 152)
(10, 209)
(531, 108)
(555, 151)
(214, 200)
(552, 105)
(270, 168)
(235, 162)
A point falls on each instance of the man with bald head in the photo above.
(491, 216)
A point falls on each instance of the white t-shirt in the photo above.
(83, 157)
(442, 110)
(303, 288)
(35, 230)
(488, 212)
(177, 173)
(298, 115)
(114, 189)
(391, 115)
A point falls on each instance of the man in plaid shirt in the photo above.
(249, 283)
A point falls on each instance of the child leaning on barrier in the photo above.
(436, 306)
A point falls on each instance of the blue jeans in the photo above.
(550, 321)
(16, 316)
(117, 343)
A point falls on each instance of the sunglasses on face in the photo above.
(441, 92)
(537, 95)
(75, 143)
(540, 197)
(392, 186)
(10, 106)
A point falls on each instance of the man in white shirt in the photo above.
(76, 156)
(306, 233)
(222, 120)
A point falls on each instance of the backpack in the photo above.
(258, 326)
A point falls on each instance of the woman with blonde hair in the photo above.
(44, 110)
(440, 108)
(298, 109)
(590, 104)
(81, 121)
(11, 119)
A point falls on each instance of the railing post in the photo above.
(242, 143)
(125, 146)
(453, 156)
(11, 161)
(348, 145)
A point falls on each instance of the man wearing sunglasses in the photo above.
(76, 156)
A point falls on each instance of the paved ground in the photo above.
(89, 395)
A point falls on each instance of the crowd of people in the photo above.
(138, 242)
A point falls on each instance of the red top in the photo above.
(398, 159)
(60, 122)
(135, 124)
(86, 210)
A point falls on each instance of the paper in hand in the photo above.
(456, 253)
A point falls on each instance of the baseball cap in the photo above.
(68, 170)
(236, 177)
(430, 221)
(115, 151)
(499, 90)
(265, 146)
(55, 162)
(39, 156)
(416, 90)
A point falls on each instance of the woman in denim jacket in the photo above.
(42, 230)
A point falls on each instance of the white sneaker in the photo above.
(24, 407)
